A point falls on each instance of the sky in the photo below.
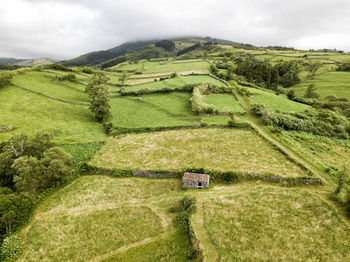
(63, 29)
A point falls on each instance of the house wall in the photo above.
(193, 184)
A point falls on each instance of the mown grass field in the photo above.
(224, 103)
(213, 149)
(269, 223)
(98, 218)
(275, 102)
(331, 83)
(155, 110)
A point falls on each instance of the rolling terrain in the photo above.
(275, 150)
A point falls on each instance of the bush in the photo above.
(58, 67)
(87, 70)
(187, 207)
(11, 248)
(70, 77)
(5, 77)
(198, 104)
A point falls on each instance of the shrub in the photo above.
(5, 77)
(310, 92)
(59, 67)
(70, 77)
(87, 70)
(11, 248)
(198, 104)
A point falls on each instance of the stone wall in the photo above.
(144, 173)
(5, 128)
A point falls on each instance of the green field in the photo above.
(275, 102)
(30, 113)
(98, 217)
(331, 83)
(240, 150)
(175, 82)
(267, 223)
(224, 103)
(326, 152)
(43, 83)
(155, 110)
(147, 67)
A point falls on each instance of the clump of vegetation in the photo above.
(186, 208)
(198, 104)
(32, 164)
(5, 77)
(11, 248)
(100, 96)
(344, 67)
(69, 77)
(59, 67)
(167, 45)
(320, 122)
(310, 92)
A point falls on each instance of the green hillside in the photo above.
(92, 153)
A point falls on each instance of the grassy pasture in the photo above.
(275, 102)
(153, 110)
(101, 190)
(165, 66)
(325, 151)
(42, 82)
(99, 218)
(213, 149)
(224, 103)
(92, 234)
(176, 82)
(330, 83)
(266, 223)
(29, 113)
(102, 218)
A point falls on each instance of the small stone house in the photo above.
(193, 180)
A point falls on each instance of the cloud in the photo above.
(64, 29)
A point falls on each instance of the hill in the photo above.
(28, 62)
(271, 126)
(99, 57)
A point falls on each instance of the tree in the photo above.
(98, 78)
(17, 147)
(123, 77)
(310, 92)
(99, 105)
(35, 175)
(15, 209)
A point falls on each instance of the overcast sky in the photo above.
(64, 29)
